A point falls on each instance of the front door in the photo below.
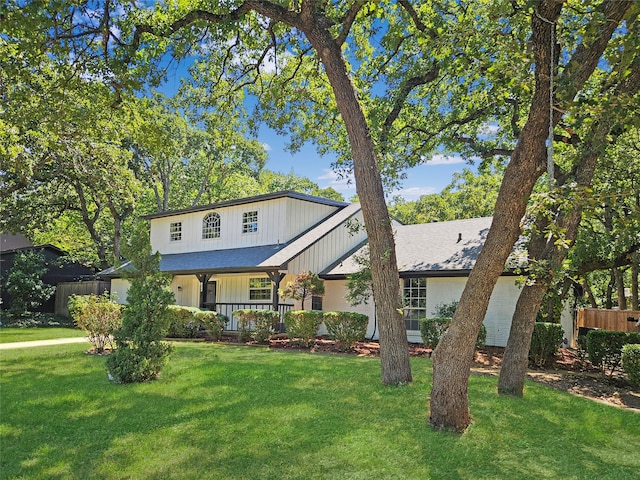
(211, 294)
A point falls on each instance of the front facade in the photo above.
(236, 254)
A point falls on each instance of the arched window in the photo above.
(211, 225)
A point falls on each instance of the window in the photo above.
(211, 226)
(175, 231)
(259, 289)
(316, 302)
(250, 222)
(415, 300)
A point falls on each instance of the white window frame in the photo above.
(415, 301)
(250, 222)
(175, 232)
(211, 226)
(260, 288)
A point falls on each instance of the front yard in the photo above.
(240, 412)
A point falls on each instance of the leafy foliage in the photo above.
(140, 354)
(258, 324)
(24, 284)
(631, 362)
(305, 285)
(432, 330)
(346, 327)
(604, 347)
(302, 325)
(545, 341)
(99, 316)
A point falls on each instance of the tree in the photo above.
(305, 285)
(449, 405)
(24, 282)
(140, 352)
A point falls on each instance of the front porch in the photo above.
(228, 309)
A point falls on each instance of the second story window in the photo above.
(250, 222)
(211, 226)
(175, 231)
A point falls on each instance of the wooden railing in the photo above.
(228, 309)
(617, 320)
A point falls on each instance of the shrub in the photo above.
(183, 322)
(346, 327)
(212, 322)
(432, 330)
(256, 324)
(545, 341)
(631, 362)
(24, 283)
(302, 324)
(98, 316)
(604, 347)
(140, 354)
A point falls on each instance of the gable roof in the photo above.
(256, 259)
(246, 200)
(430, 249)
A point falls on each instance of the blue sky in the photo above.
(430, 177)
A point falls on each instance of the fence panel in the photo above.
(65, 289)
(616, 320)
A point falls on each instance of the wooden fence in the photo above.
(617, 320)
(66, 289)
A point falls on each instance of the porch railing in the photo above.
(228, 309)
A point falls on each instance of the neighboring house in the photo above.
(59, 269)
(236, 254)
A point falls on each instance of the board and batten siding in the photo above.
(279, 220)
(326, 250)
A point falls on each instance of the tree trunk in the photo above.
(634, 287)
(619, 281)
(589, 292)
(394, 348)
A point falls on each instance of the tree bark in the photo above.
(394, 348)
(449, 405)
(634, 286)
(619, 281)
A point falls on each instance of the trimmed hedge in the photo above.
(255, 323)
(191, 322)
(604, 347)
(545, 341)
(302, 325)
(346, 327)
(432, 330)
(631, 362)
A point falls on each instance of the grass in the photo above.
(224, 412)
(11, 334)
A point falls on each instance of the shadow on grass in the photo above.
(238, 412)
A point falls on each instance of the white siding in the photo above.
(279, 220)
(119, 290)
(186, 289)
(324, 252)
(335, 292)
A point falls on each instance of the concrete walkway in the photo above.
(41, 343)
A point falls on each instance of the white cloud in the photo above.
(489, 129)
(338, 181)
(266, 146)
(440, 159)
(413, 193)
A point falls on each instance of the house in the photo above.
(236, 254)
(59, 268)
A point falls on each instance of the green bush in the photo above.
(256, 324)
(545, 341)
(98, 316)
(432, 330)
(302, 325)
(604, 347)
(183, 322)
(346, 327)
(212, 322)
(35, 320)
(631, 362)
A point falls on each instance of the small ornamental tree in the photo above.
(24, 284)
(99, 316)
(305, 285)
(140, 354)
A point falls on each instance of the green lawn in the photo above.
(8, 334)
(252, 413)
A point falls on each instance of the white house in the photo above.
(236, 254)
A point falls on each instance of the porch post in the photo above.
(204, 279)
(276, 278)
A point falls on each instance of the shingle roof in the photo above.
(430, 248)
